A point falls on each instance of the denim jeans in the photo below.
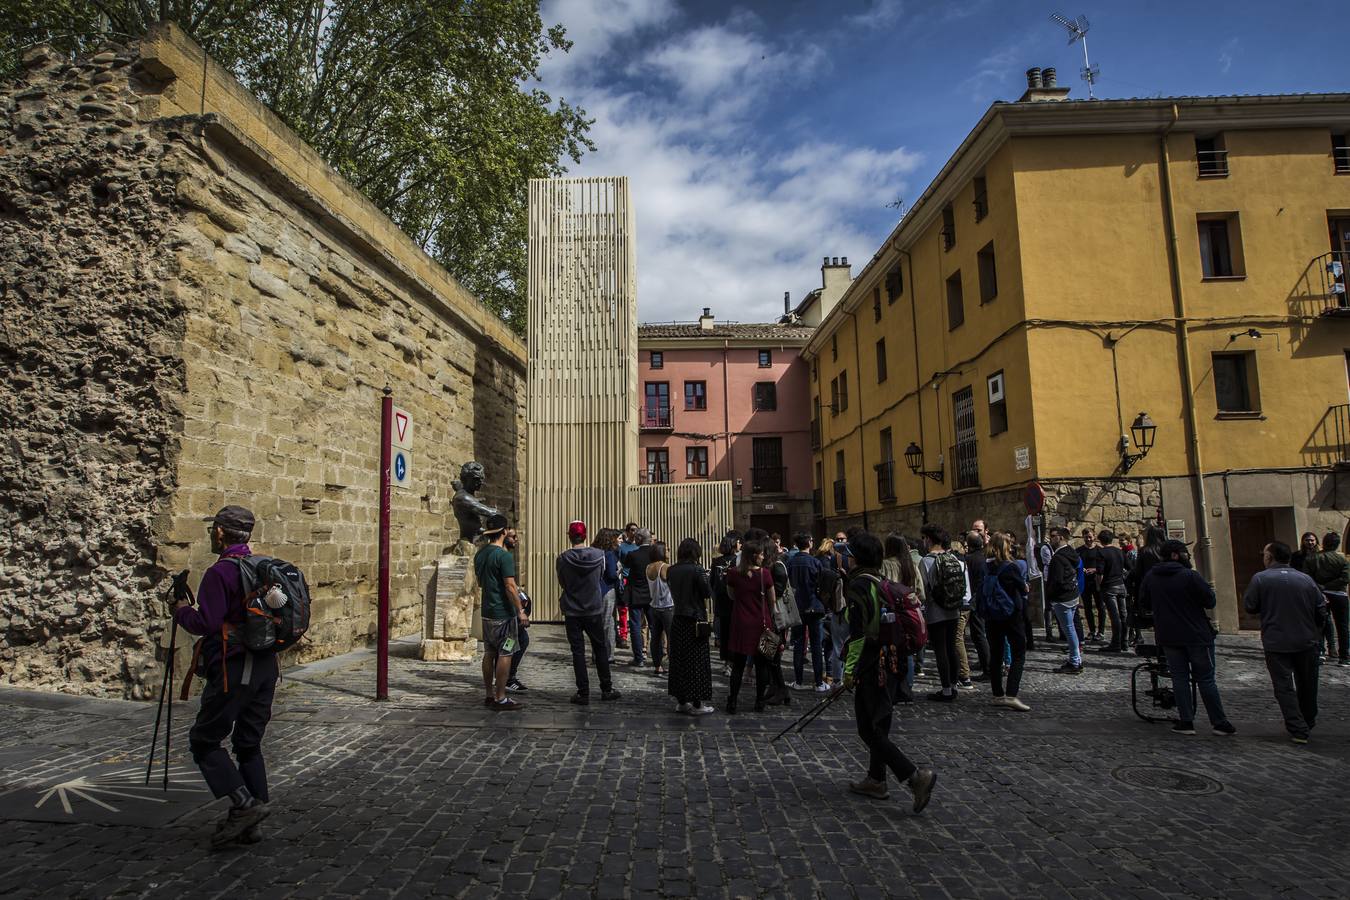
(1113, 598)
(1195, 662)
(635, 614)
(611, 626)
(1064, 615)
(816, 629)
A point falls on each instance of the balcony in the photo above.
(815, 433)
(840, 496)
(654, 475)
(1340, 155)
(655, 419)
(1212, 163)
(768, 479)
(1333, 268)
(967, 459)
(886, 480)
(948, 238)
(981, 205)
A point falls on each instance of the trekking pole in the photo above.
(168, 720)
(809, 716)
(180, 588)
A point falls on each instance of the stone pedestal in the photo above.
(449, 601)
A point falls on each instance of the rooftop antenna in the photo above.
(1078, 29)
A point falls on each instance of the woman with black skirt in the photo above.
(690, 631)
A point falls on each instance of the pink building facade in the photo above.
(730, 402)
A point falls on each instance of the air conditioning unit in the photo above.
(996, 388)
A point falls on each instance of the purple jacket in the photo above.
(220, 599)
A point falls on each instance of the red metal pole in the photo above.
(382, 622)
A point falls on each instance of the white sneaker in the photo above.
(685, 708)
(822, 688)
(798, 686)
(703, 710)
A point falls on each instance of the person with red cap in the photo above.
(581, 571)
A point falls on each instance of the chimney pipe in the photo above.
(843, 260)
(787, 302)
(705, 321)
(826, 262)
(1034, 77)
(834, 261)
(707, 310)
(1049, 77)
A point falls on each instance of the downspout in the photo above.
(862, 454)
(918, 380)
(1203, 545)
(726, 419)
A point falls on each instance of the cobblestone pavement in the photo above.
(430, 794)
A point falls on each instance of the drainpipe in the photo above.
(918, 383)
(726, 420)
(862, 454)
(1202, 540)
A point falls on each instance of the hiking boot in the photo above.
(580, 699)
(237, 821)
(1225, 728)
(869, 788)
(1183, 728)
(610, 695)
(921, 784)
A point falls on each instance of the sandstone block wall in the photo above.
(198, 312)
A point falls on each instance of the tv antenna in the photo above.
(1078, 29)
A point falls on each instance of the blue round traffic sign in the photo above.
(400, 467)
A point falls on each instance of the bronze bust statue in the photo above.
(469, 510)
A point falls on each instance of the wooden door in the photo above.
(1251, 530)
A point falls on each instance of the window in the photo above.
(695, 395)
(998, 404)
(658, 359)
(966, 449)
(767, 474)
(956, 306)
(881, 360)
(840, 485)
(815, 370)
(834, 396)
(843, 391)
(696, 462)
(658, 466)
(886, 468)
(1220, 245)
(895, 283)
(948, 227)
(981, 199)
(656, 404)
(766, 396)
(876, 304)
(1211, 158)
(1235, 387)
(1340, 153)
(834, 347)
(988, 274)
(765, 359)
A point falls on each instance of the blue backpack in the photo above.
(996, 604)
(1082, 577)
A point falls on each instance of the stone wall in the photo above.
(200, 313)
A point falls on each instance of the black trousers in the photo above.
(241, 713)
(516, 657)
(980, 638)
(942, 638)
(1294, 678)
(593, 627)
(1010, 631)
(1339, 620)
(763, 674)
(873, 703)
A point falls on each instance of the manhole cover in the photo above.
(1169, 781)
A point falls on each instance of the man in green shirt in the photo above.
(501, 610)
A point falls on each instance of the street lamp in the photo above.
(1142, 432)
(914, 459)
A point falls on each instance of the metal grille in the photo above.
(965, 452)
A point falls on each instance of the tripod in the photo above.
(180, 589)
(811, 714)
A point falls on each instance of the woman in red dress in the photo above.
(752, 600)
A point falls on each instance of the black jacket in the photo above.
(976, 569)
(1179, 597)
(1061, 581)
(1111, 566)
(689, 586)
(639, 591)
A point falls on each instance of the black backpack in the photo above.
(264, 628)
(949, 581)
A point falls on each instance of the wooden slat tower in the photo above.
(581, 432)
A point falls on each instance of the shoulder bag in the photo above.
(768, 638)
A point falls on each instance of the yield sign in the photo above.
(403, 429)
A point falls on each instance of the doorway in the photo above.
(779, 524)
(1251, 530)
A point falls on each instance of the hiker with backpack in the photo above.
(1003, 600)
(885, 627)
(948, 590)
(240, 682)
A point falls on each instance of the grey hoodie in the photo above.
(581, 573)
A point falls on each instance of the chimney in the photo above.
(835, 276)
(1042, 86)
(705, 321)
(787, 303)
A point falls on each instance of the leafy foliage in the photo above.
(426, 107)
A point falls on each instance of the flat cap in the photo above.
(234, 518)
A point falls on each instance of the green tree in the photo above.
(432, 109)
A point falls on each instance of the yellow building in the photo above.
(1076, 263)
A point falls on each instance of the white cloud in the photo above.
(878, 14)
(727, 218)
(1227, 53)
(593, 26)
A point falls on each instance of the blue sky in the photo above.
(760, 137)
